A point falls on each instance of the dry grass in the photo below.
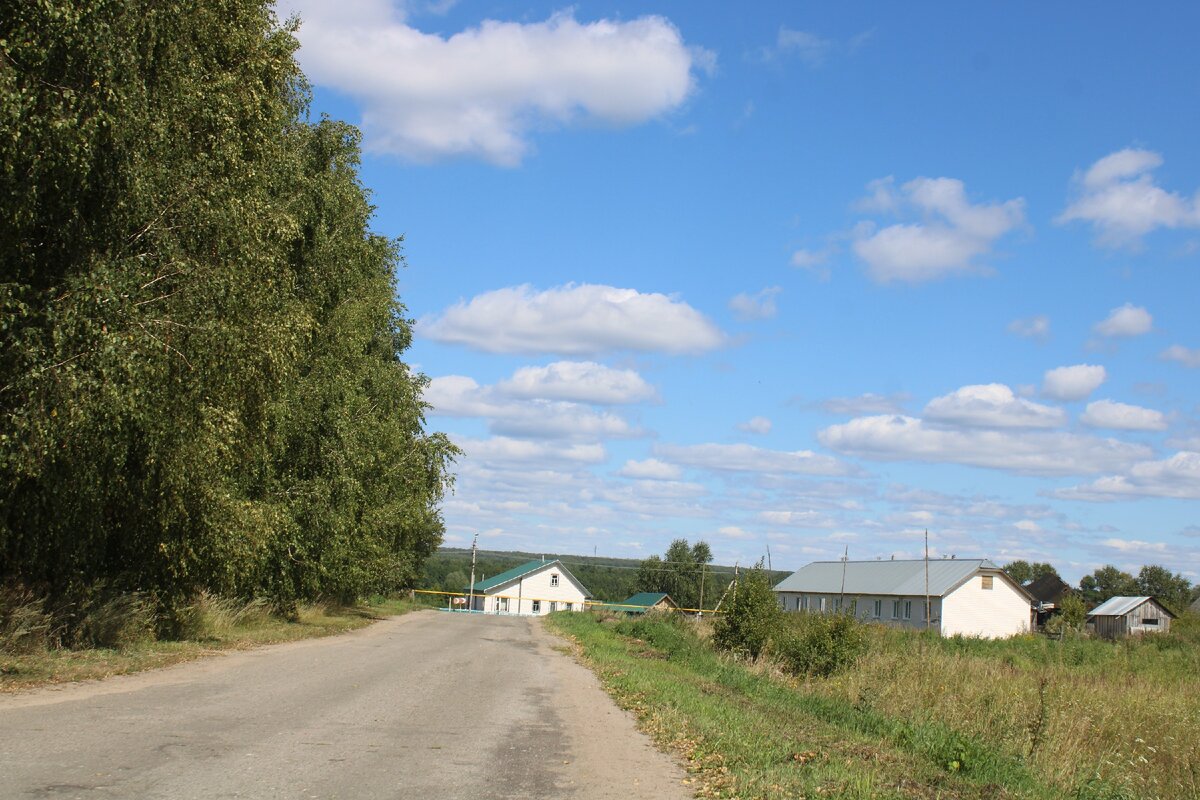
(1121, 715)
(217, 625)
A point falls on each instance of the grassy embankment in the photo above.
(223, 626)
(914, 717)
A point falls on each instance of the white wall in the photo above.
(536, 586)
(971, 610)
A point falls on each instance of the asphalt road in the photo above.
(430, 705)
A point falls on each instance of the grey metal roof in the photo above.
(885, 577)
(1117, 606)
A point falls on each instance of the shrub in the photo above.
(25, 625)
(753, 618)
(212, 617)
(819, 644)
(121, 621)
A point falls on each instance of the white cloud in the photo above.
(1175, 477)
(580, 381)
(869, 403)
(1035, 327)
(760, 305)
(811, 48)
(901, 438)
(650, 469)
(1118, 196)
(992, 405)
(1074, 382)
(1184, 355)
(479, 92)
(952, 235)
(503, 450)
(759, 425)
(584, 319)
(747, 458)
(1126, 320)
(460, 396)
(1134, 546)
(734, 532)
(799, 519)
(815, 261)
(1121, 416)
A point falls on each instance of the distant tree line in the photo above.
(1175, 591)
(201, 384)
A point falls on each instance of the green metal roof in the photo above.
(640, 603)
(521, 571)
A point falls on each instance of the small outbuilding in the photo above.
(1048, 592)
(643, 602)
(532, 589)
(1118, 617)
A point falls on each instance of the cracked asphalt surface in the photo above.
(430, 705)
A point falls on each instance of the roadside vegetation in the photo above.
(768, 705)
(202, 390)
(121, 635)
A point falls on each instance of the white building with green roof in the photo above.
(532, 589)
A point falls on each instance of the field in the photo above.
(915, 716)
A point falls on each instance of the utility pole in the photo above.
(700, 611)
(845, 561)
(471, 588)
(927, 609)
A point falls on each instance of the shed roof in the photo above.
(528, 568)
(647, 599)
(1048, 588)
(1119, 606)
(899, 577)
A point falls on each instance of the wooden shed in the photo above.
(1118, 617)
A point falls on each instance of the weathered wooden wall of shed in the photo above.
(1135, 620)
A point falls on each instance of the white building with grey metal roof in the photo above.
(967, 596)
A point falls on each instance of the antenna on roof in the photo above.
(845, 561)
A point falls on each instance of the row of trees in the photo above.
(200, 383)
(1173, 589)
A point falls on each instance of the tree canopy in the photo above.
(201, 385)
(680, 572)
(1024, 572)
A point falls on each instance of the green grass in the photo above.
(916, 715)
(48, 666)
(748, 733)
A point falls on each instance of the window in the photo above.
(987, 581)
(803, 603)
(553, 580)
(822, 608)
(567, 606)
(502, 604)
(798, 599)
(895, 609)
(878, 608)
(1150, 621)
(908, 609)
(537, 606)
(553, 605)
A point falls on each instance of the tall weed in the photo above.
(25, 624)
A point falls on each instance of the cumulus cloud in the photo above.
(1121, 416)
(809, 47)
(573, 320)
(1035, 327)
(479, 92)
(759, 425)
(505, 450)
(950, 238)
(747, 458)
(1124, 321)
(1183, 355)
(991, 405)
(579, 381)
(1175, 477)
(1119, 198)
(460, 396)
(799, 519)
(901, 438)
(815, 261)
(650, 469)
(760, 305)
(1074, 382)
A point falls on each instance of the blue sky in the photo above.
(808, 276)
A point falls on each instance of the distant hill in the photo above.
(608, 579)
